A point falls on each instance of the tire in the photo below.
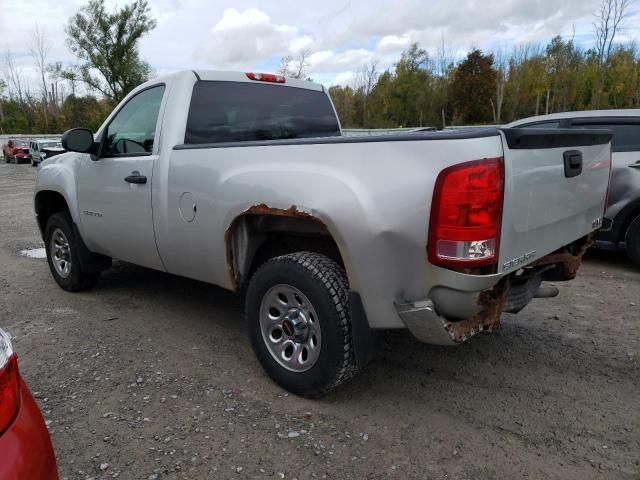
(64, 262)
(278, 331)
(33, 164)
(632, 242)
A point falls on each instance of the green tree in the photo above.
(473, 88)
(106, 45)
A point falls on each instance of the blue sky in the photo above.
(340, 36)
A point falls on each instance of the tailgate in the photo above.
(555, 187)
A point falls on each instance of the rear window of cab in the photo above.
(242, 111)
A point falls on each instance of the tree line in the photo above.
(491, 87)
(107, 67)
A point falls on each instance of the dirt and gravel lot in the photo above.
(151, 376)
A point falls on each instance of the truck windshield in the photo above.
(242, 111)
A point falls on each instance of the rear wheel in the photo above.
(297, 308)
(62, 255)
(632, 241)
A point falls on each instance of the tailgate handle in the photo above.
(572, 163)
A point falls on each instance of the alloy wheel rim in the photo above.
(290, 328)
(60, 253)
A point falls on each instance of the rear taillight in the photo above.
(466, 214)
(9, 383)
(266, 77)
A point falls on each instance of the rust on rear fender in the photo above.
(260, 209)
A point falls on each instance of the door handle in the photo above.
(635, 165)
(135, 177)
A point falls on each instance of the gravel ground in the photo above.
(151, 376)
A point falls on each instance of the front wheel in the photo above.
(632, 241)
(297, 309)
(62, 255)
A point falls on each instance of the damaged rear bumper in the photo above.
(511, 294)
(424, 322)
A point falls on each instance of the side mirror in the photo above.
(78, 140)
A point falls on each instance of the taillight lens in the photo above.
(466, 214)
(9, 382)
(266, 77)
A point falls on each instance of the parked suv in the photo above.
(41, 149)
(16, 150)
(621, 222)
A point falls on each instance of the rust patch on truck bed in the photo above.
(260, 209)
(485, 321)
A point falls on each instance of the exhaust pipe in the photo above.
(546, 291)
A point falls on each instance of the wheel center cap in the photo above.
(287, 327)
(295, 325)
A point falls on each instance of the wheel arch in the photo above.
(263, 232)
(48, 202)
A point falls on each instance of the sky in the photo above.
(341, 36)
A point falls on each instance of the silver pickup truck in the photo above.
(244, 180)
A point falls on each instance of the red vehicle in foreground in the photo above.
(25, 447)
(16, 150)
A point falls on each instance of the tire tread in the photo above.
(333, 278)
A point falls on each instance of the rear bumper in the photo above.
(510, 294)
(428, 326)
(424, 323)
(25, 448)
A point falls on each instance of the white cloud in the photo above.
(341, 35)
(300, 43)
(244, 39)
(393, 43)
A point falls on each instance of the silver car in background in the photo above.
(43, 148)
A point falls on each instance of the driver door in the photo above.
(114, 190)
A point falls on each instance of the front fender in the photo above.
(58, 174)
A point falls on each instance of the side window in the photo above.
(132, 130)
(541, 125)
(626, 136)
